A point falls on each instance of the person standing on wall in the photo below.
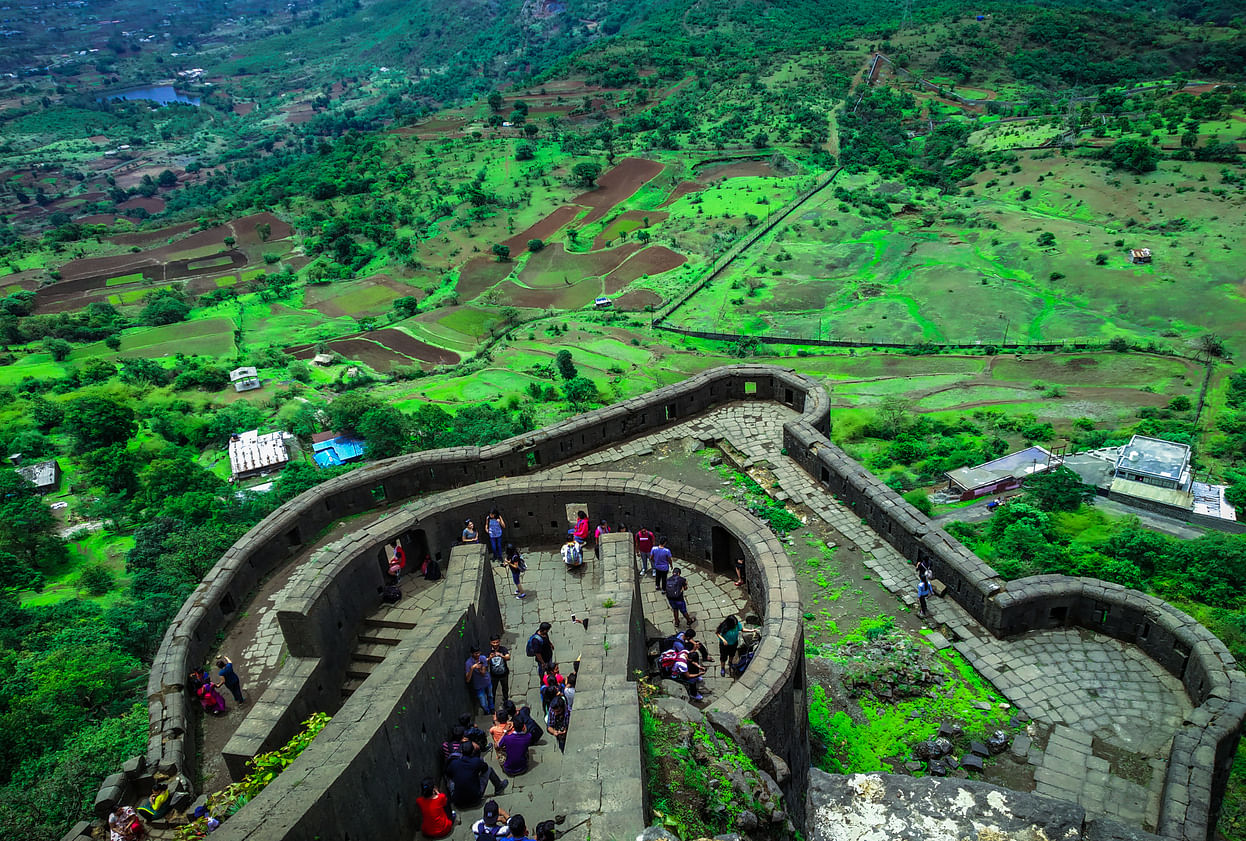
(229, 678)
(661, 564)
(494, 524)
(477, 677)
(644, 545)
(923, 591)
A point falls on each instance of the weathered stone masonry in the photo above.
(1202, 753)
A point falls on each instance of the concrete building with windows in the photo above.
(1155, 470)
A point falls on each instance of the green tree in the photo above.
(46, 414)
(1058, 489)
(565, 364)
(495, 101)
(535, 245)
(524, 151)
(586, 173)
(406, 306)
(580, 391)
(59, 348)
(920, 500)
(1133, 154)
(96, 422)
(113, 468)
(429, 424)
(386, 431)
(502, 252)
(27, 527)
(164, 309)
(347, 411)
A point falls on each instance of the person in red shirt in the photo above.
(436, 816)
(644, 545)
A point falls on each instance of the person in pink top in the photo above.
(582, 528)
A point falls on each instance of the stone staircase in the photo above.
(371, 646)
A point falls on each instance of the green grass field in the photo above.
(124, 279)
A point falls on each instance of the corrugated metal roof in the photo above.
(251, 452)
(1016, 465)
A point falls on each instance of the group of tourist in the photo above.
(210, 699)
(512, 733)
(125, 823)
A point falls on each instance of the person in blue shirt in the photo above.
(519, 828)
(494, 525)
(478, 678)
(229, 678)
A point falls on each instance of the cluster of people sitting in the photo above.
(126, 822)
(578, 538)
(682, 658)
(438, 819)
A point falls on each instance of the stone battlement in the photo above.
(1202, 752)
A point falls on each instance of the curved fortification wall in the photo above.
(1202, 752)
(318, 628)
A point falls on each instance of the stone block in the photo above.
(972, 762)
(82, 829)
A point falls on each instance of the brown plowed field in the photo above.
(737, 169)
(571, 297)
(653, 260)
(682, 189)
(143, 238)
(151, 205)
(381, 350)
(553, 267)
(637, 299)
(617, 184)
(542, 230)
(478, 274)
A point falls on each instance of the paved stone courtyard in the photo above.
(1105, 712)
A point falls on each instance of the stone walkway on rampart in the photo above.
(1110, 694)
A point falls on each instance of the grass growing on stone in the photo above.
(903, 692)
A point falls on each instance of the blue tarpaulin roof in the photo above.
(336, 451)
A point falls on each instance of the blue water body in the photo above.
(163, 94)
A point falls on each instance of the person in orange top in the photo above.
(436, 816)
(501, 726)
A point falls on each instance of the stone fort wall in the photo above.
(319, 615)
(1202, 753)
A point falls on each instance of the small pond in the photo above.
(163, 94)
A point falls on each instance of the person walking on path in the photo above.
(541, 649)
(923, 570)
(477, 677)
(661, 557)
(739, 572)
(644, 545)
(923, 590)
(675, 589)
(499, 658)
(728, 643)
(515, 563)
(494, 524)
(229, 678)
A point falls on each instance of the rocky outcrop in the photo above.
(884, 807)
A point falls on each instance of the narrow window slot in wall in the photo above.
(670, 411)
(750, 388)
(789, 397)
(378, 492)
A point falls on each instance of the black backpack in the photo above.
(486, 832)
(432, 572)
(674, 587)
(391, 594)
(535, 644)
(499, 667)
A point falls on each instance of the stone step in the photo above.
(350, 686)
(370, 653)
(358, 670)
(388, 623)
(378, 639)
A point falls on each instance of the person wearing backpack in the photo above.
(661, 557)
(499, 658)
(493, 824)
(572, 553)
(675, 588)
(923, 591)
(541, 649)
